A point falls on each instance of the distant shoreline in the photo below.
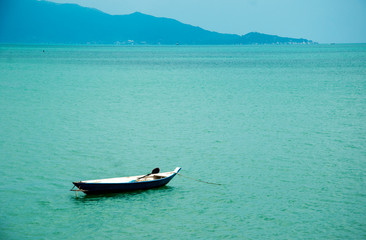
(46, 22)
(172, 45)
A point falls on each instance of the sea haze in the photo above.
(282, 128)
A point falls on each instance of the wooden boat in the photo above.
(123, 184)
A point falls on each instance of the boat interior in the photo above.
(141, 178)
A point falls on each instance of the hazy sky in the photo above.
(323, 21)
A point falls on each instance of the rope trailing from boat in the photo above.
(198, 180)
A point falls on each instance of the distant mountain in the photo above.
(32, 21)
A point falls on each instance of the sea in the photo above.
(271, 140)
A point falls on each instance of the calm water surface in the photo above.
(282, 128)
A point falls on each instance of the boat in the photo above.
(154, 179)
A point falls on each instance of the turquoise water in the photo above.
(282, 128)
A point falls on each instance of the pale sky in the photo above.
(323, 21)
